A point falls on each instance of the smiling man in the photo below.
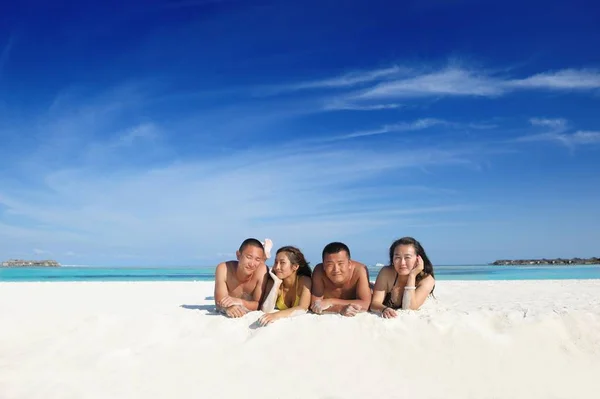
(239, 284)
(339, 284)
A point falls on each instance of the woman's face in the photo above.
(405, 259)
(282, 266)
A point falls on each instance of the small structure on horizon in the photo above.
(30, 263)
(559, 261)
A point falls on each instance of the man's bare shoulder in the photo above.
(360, 270)
(223, 267)
(359, 267)
(305, 280)
(260, 272)
(318, 269)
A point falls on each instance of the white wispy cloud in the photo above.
(123, 144)
(191, 206)
(566, 79)
(387, 212)
(570, 140)
(92, 203)
(554, 124)
(454, 80)
(210, 205)
(83, 128)
(345, 106)
(5, 54)
(420, 124)
(340, 82)
(457, 81)
(416, 125)
(145, 131)
(451, 81)
(351, 79)
(586, 137)
(558, 131)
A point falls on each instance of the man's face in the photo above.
(338, 267)
(250, 258)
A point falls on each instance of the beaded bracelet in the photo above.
(410, 288)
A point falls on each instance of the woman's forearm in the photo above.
(408, 297)
(269, 303)
(377, 307)
(292, 312)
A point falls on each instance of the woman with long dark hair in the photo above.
(406, 282)
(289, 286)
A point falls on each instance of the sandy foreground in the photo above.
(518, 339)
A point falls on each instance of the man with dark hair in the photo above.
(239, 284)
(339, 284)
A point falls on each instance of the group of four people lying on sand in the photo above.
(337, 285)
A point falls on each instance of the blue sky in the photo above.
(166, 132)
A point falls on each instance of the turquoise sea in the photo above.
(470, 272)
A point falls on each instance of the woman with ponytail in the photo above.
(289, 286)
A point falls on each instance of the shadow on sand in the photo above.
(210, 309)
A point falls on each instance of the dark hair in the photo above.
(296, 257)
(334, 248)
(251, 242)
(427, 265)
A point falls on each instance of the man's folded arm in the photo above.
(221, 290)
(317, 287)
(363, 293)
(257, 294)
(363, 290)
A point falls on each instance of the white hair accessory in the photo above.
(267, 245)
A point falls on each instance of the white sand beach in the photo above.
(517, 339)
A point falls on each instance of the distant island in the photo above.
(30, 263)
(558, 261)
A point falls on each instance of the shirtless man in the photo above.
(340, 285)
(239, 284)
